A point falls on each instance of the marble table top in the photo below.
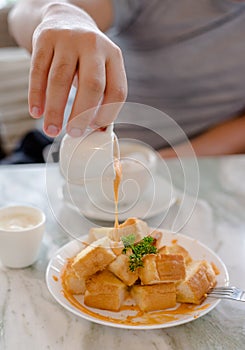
(31, 319)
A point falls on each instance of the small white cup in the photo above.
(21, 233)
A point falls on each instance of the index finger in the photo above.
(39, 70)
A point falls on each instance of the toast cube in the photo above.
(93, 258)
(162, 268)
(176, 249)
(200, 278)
(105, 291)
(157, 235)
(70, 281)
(170, 267)
(134, 226)
(148, 274)
(120, 268)
(96, 233)
(154, 297)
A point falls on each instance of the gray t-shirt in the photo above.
(186, 58)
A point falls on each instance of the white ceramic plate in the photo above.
(153, 202)
(162, 319)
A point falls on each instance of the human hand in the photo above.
(68, 44)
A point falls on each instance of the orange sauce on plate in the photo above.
(133, 316)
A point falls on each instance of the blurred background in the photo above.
(21, 137)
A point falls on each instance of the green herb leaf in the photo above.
(139, 250)
(128, 240)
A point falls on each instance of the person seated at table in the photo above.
(185, 58)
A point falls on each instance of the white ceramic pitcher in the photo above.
(86, 158)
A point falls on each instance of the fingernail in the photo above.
(52, 130)
(75, 132)
(35, 112)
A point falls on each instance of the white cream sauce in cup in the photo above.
(21, 233)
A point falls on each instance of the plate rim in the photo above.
(78, 313)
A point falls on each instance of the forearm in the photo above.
(27, 15)
(226, 138)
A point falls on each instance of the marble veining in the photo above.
(31, 319)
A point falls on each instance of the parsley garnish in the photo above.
(139, 250)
